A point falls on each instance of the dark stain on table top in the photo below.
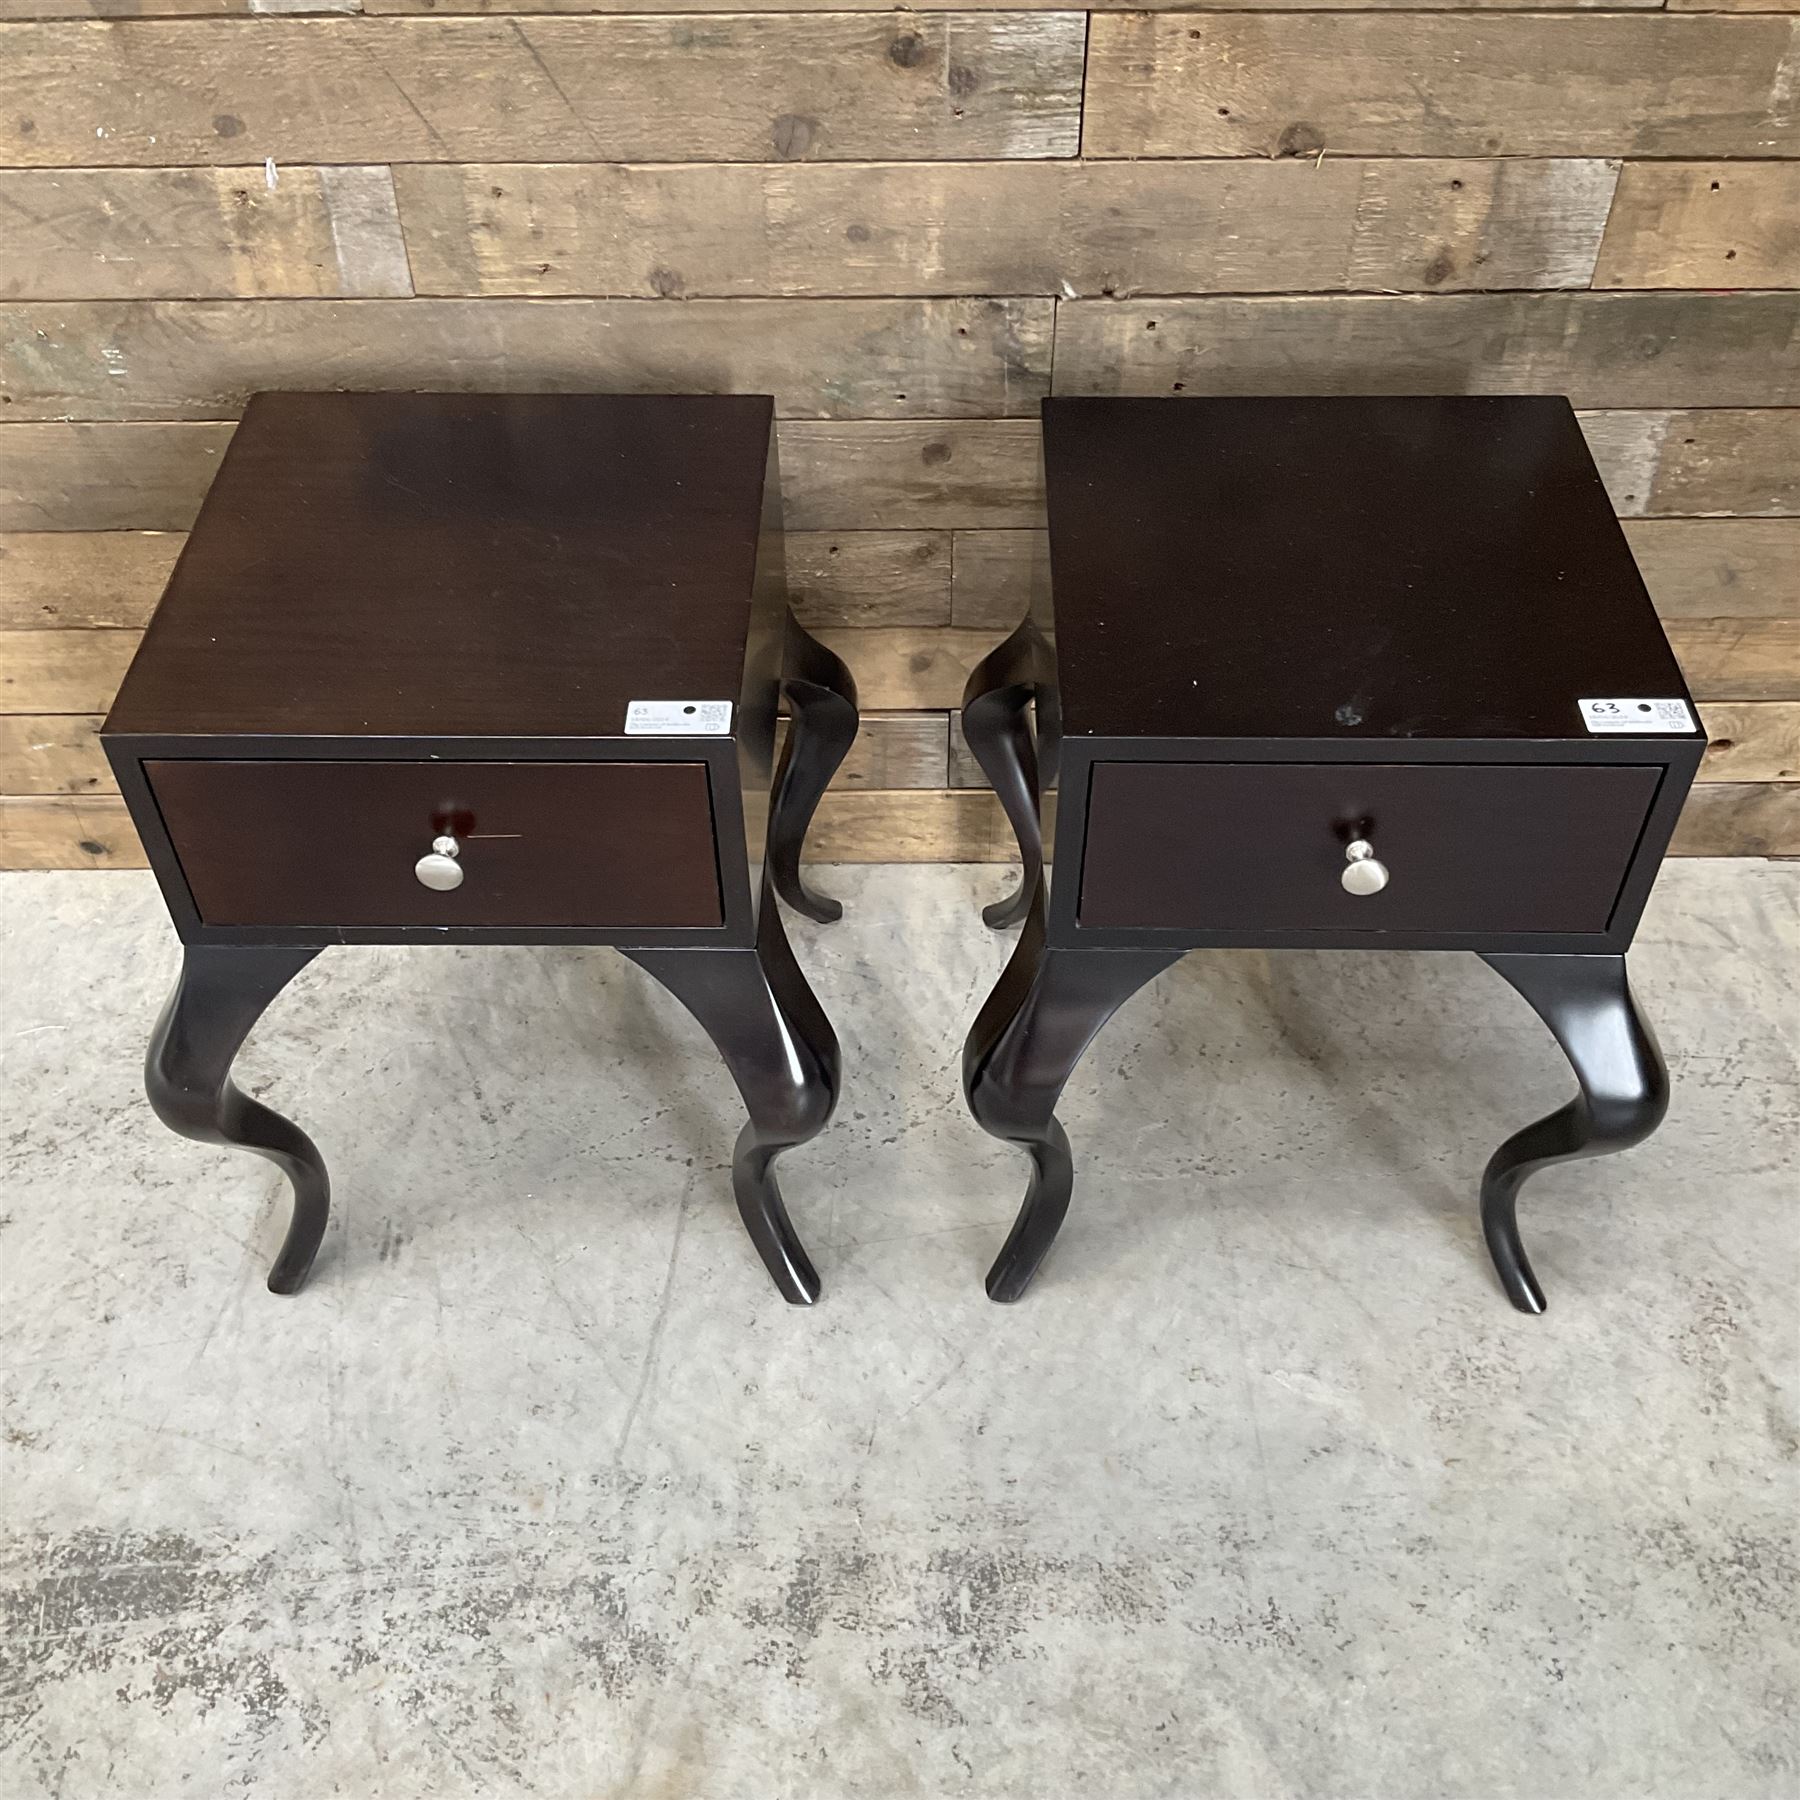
(460, 564)
(1375, 569)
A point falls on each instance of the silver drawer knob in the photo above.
(1364, 872)
(439, 868)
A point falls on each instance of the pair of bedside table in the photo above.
(1329, 674)
(506, 669)
(487, 669)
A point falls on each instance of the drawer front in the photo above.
(591, 845)
(1470, 848)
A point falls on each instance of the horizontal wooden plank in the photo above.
(869, 577)
(1715, 460)
(1543, 85)
(1602, 350)
(447, 7)
(169, 9)
(57, 755)
(1738, 659)
(1729, 819)
(744, 87)
(142, 234)
(62, 671)
(46, 832)
(893, 750)
(1751, 740)
(908, 669)
(1703, 225)
(1022, 228)
(201, 359)
(894, 474)
(995, 577)
(1712, 568)
(82, 579)
(940, 474)
(62, 477)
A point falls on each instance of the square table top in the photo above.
(462, 564)
(1339, 568)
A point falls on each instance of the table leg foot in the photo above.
(821, 699)
(998, 731)
(1624, 1093)
(222, 991)
(774, 1037)
(1045, 1010)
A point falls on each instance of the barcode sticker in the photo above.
(1637, 715)
(678, 718)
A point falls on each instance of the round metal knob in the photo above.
(1364, 872)
(439, 868)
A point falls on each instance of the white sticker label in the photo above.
(678, 718)
(1637, 715)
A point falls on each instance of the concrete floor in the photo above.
(539, 1490)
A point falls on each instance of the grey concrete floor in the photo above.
(539, 1490)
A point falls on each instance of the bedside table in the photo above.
(1329, 673)
(501, 669)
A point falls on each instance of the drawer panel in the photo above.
(1471, 847)
(604, 845)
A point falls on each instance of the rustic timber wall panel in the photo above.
(909, 226)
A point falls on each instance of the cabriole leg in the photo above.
(774, 1037)
(222, 991)
(1033, 1029)
(1624, 1092)
(821, 698)
(999, 735)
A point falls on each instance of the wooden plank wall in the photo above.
(909, 226)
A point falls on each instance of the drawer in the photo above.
(592, 845)
(1259, 847)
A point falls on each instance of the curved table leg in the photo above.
(774, 1037)
(222, 991)
(1587, 1003)
(821, 697)
(1043, 1013)
(1000, 688)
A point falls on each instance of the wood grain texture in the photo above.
(895, 474)
(995, 577)
(1718, 568)
(62, 671)
(1751, 740)
(145, 234)
(167, 9)
(82, 579)
(1602, 350)
(869, 577)
(448, 7)
(941, 474)
(56, 755)
(892, 750)
(742, 87)
(1739, 659)
(908, 669)
(80, 477)
(1703, 225)
(1725, 819)
(820, 358)
(1022, 228)
(1541, 85)
(53, 832)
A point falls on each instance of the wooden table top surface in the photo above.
(1371, 569)
(464, 564)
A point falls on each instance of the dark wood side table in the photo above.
(487, 669)
(1329, 673)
